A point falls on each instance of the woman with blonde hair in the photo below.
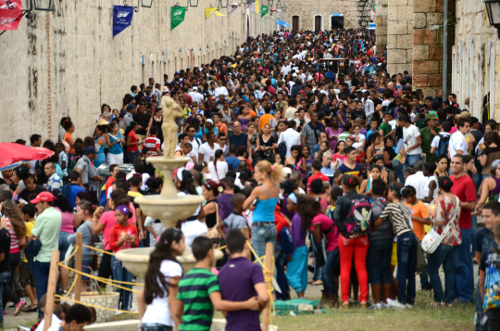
(265, 199)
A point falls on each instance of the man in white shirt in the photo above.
(208, 149)
(411, 150)
(418, 180)
(221, 89)
(458, 142)
(197, 97)
(369, 106)
(290, 137)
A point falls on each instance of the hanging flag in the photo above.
(278, 13)
(209, 11)
(256, 6)
(373, 10)
(233, 9)
(252, 6)
(177, 15)
(273, 9)
(122, 18)
(11, 13)
(264, 10)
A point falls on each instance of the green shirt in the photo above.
(47, 228)
(386, 128)
(194, 291)
(427, 138)
(343, 136)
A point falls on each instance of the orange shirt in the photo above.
(252, 113)
(419, 210)
(222, 128)
(264, 119)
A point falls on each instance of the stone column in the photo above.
(428, 44)
(399, 35)
(381, 21)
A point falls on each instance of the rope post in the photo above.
(78, 265)
(51, 289)
(268, 276)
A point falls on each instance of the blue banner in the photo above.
(122, 18)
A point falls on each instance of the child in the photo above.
(76, 318)
(235, 220)
(152, 142)
(485, 242)
(62, 160)
(399, 215)
(161, 283)
(318, 192)
(199, 291)
(386, 127)
(122, 236)
(489, 278)
(365, 187)
(241, 281)
(25, 275)
(418, 210)
(378, 262)
(439, 144)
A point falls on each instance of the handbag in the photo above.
(212, 233)
(94, 256)
(433, 239)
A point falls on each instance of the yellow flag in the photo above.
(209, 11)
(256, 6)
(217, 13)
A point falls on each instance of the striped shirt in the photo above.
(152, 143)
(194, 290)
(14, 242)
(399, 215)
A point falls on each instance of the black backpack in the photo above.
(444, 142)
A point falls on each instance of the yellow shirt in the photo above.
(29, 227)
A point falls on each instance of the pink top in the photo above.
(14, 242)
(109, 220)
(327, 225)
(453, 130)
(67, 221)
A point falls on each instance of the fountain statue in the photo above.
(167, 207)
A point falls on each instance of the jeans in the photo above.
(122, 274)
(407, 255)
(478, 178)
(357, 247)
(105, 270)
(318, 271)
(279, 263)
(41, 274)
(493, 319)
(398, 170)
(378, 262)
(261, 235)
(410, 160)
(331, 261)
(296, 270)
(132, 156)
(9, 292)
(63, 244)
(446, 256)
(155, 327)
(479, 312)
(4, 279)
(464, 269)
(473, 233)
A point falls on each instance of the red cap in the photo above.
(44, 196)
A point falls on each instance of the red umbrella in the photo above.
(11, 153)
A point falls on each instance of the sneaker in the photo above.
(376, 306)
(384, 305)
(117, 312)
(409, 307)
(396, 305)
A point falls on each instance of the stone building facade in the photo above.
(66, 62)
(323, 15)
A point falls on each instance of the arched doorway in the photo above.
(318, 23)
(295, 23)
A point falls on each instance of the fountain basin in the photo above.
(168, 165)
(169, 210)
(136, 260)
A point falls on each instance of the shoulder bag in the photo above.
(432, 240)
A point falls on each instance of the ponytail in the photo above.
(350, 182)
(274, 171)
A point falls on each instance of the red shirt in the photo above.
(152, 143)
(133, 148)
(280, 221)
(465, 189)
(317, 175)
(109, 182)
(117, 231)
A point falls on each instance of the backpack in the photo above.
(492, 282)
(359, 217)
(444, 142)
(286, 241)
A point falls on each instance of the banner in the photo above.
(373, 10)
(278, 13)
(177, 15)
(209, 11)
(253, 5)
(233, 9)
(11, 13)
(122, 18)
(264, 10)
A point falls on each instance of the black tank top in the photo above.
(211, 219)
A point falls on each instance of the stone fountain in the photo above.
(167, 207)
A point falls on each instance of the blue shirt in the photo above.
(240, 140)
(75, 189)
(233, 162)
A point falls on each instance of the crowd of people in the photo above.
(302, 140)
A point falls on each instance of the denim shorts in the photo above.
(155, 327)
(63, 244)
(378, 262)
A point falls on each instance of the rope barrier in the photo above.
(72, 285)
(94, 306)
(72, 254)
(98, 249)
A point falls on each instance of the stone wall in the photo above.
(399, 35)
(428, 44)
(66, 62)
(381, 21)
(307, 10)
(476, 59)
